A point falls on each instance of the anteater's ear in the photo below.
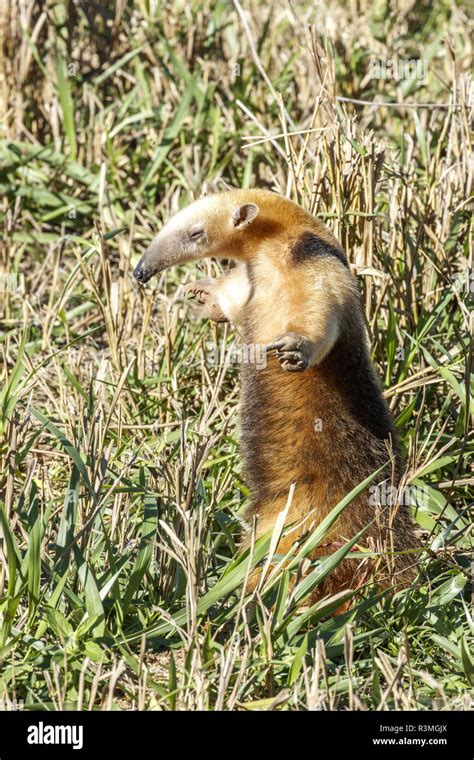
(245, 214)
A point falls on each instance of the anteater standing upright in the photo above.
(314, 415)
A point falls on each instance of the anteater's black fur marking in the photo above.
(309, 246)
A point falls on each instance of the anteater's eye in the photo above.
(196, 234)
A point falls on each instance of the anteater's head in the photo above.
(216, 226)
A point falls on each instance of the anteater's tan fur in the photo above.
(325, 428)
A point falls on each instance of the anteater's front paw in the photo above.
(201, 290)
(205, 293)
(293, 351)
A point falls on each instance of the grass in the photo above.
(121, 495)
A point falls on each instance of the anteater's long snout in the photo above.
(142, 273)
(160, 254)
(150, 262)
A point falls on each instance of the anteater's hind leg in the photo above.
(301, 520)
(348, 575)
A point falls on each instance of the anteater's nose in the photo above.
(141, 273)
